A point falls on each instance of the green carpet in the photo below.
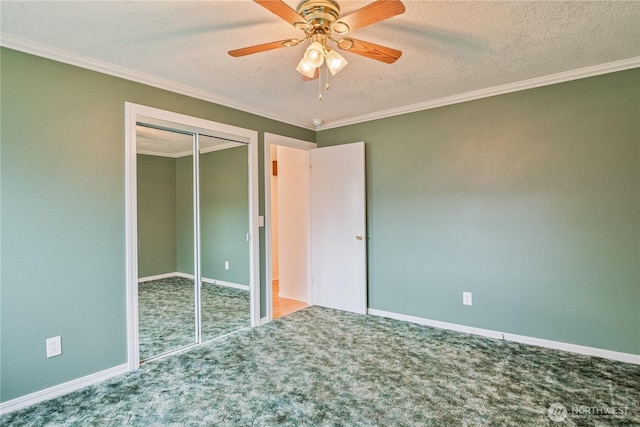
(166, 319)
(321, 367)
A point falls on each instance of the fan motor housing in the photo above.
(319, 13)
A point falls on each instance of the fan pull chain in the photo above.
(319, 83)
(326, 87)
(326, 81)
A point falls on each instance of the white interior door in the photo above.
(338, 240)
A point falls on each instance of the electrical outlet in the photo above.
(54, 346)
(466, 298)
(226, 265)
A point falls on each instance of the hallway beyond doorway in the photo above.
(284, 306)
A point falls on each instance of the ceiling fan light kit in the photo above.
(306, 69)
(320, 19)
(314, 55)
(335, 61)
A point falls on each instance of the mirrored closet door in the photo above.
(193, 224)
(223, 172)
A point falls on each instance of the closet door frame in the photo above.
(135, 113)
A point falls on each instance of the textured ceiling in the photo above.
(449, 48)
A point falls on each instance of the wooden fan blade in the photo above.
(373, 51)
(315, 76)
(260, 48)
(283, 10)
(372, 13)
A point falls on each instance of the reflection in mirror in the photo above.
(166, 292)
(224, 224)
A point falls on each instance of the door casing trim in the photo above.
(132, 113)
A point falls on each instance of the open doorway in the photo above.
(289, 229)
(287, 224)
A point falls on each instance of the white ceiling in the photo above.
(451, 50)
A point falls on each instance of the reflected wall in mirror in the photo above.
(224, 248)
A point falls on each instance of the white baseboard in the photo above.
(291, 296)
(156, 277)
(557, 345)
(190, 276)
(60, 389)
(227, 284)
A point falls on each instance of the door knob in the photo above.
(359, 237)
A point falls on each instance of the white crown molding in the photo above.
(159, 153)
(221, 147)
(566, 76)
(60, 55)
(163, 154)
(23, 45)
(522, 339)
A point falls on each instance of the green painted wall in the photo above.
(165, 214)
(224, 214)
(529, 200)
(62, 216)
(156, 215)
(184, 214)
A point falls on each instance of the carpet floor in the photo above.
(166, 313)
(321, 367)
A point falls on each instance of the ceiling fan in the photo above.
(320, 20)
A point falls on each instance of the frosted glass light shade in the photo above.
(314, 55)
(335, 62)
(306, 69)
